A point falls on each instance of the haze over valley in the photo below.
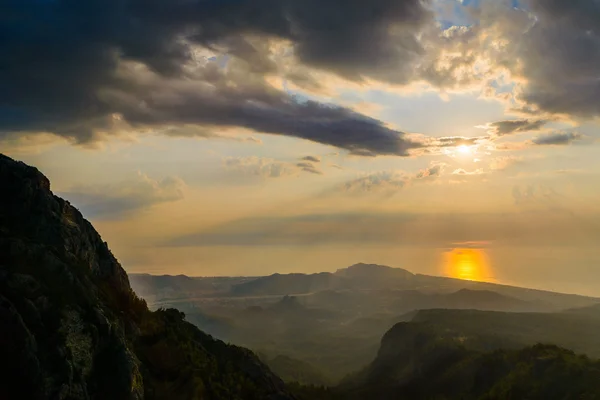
(318, 328)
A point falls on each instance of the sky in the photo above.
(248, 137)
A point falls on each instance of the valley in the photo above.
(328, 325)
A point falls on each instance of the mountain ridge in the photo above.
(394, 278)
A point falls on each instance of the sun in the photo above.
(464, 149)
(467, 264)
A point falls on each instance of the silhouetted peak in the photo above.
(30, 211)
(363, 269)
(30, 177)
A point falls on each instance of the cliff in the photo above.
(72, 328)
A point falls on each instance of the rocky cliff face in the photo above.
(72, 328)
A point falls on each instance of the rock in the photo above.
(72, 328)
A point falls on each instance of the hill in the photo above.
(357, 277)
(573, 330)
(72, 328)
(374, 276)
(419, 361)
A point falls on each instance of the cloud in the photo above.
(557, 138)
(382, 43)
(540, 56)
(379, 181)
(474, 244)
(463, 172)
(442, 145)
(550, 139)
(308, 167)
(113, 201)
(508, 127)
(264, 167)
(207, 63)
(259, 166)
(434, 170)
(504, 162)
(29, 144)
(512, 146)
(207, 133)
(389, 182)
(215, 65)
(559, 56)
(454, 141)
(534, 194)
(311, 159)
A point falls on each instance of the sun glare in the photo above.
(467, 264)
(464, 149)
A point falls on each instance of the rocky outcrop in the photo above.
(72, 328)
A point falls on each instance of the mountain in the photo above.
(373, 277)
(364, 280)
(72, 327)
(359, 277)
(419, 361)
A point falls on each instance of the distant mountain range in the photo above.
(358, 277)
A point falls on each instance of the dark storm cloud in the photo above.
(356, 38)
(560, 57)
(68, 67)
(501, 128)
(557, 138)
